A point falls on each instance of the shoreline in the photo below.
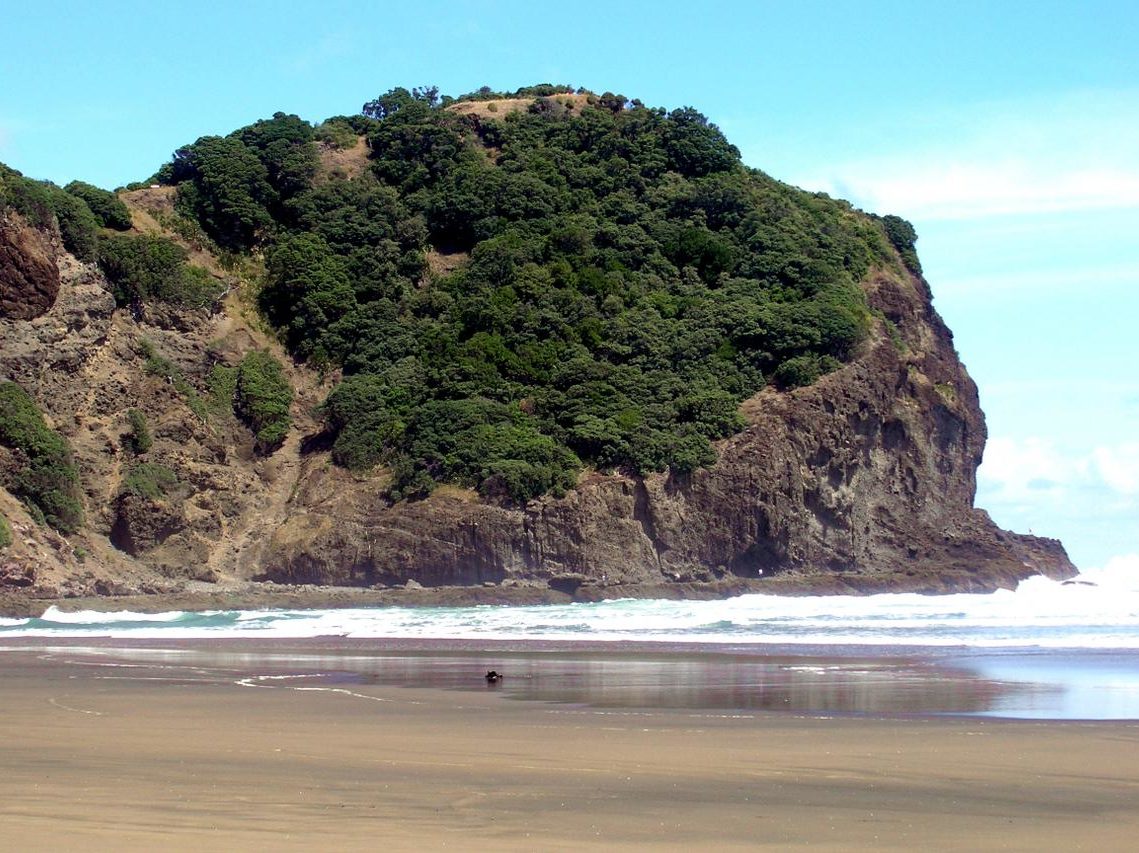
(166, 753)
(260, 595)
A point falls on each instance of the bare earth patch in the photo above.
(348, 163)
(146, 205)
(442, 263)
(504, 106)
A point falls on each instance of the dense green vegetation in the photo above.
(613, 281)
(903, 236)
(222, 385)
(107, 207)
(144, 268)
(47, 480)
(5, 533)
(235, 185)
(262, 397)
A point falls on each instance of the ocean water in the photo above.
(1048, 650)
(1099, 611)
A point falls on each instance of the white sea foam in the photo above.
(1100, 611)
(83, 617)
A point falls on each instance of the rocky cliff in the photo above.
(863, 481)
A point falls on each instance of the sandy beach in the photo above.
(119, 754)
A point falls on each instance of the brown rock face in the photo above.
(865, 481)
(29, 278)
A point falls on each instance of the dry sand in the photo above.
(141, 757)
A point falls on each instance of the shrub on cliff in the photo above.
(262, 398)
(107, 207)
(31, 199)
(235, 186)
(903, 236)
(149, 480)
(47, 481)
(284, 145)
(336, 132)
(493, 446)
(803, 370)
(5, 533)
(368, 415)
(485, 93)
(223, 185)
(139, 439)
(77, 225)
(146, 267)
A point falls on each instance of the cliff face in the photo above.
(862, 481)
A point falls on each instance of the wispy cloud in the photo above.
(1045, 155)
(1009, 187)
(1035, 281)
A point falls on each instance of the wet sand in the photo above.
(119, 754)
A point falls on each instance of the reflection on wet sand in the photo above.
(867, 685)
(803, 687)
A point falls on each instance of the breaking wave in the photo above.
(1099, 610)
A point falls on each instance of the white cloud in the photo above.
(970, 189)
(1118, 467)
(1044, 155)
(1026, 470)
(1034, 470)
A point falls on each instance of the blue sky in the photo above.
(1008, 133)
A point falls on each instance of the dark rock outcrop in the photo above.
(29, 278)
(142, 524)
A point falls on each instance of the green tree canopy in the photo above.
(226, 187)
(108, 208)
(513, 295)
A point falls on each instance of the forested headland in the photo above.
(516, 285)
